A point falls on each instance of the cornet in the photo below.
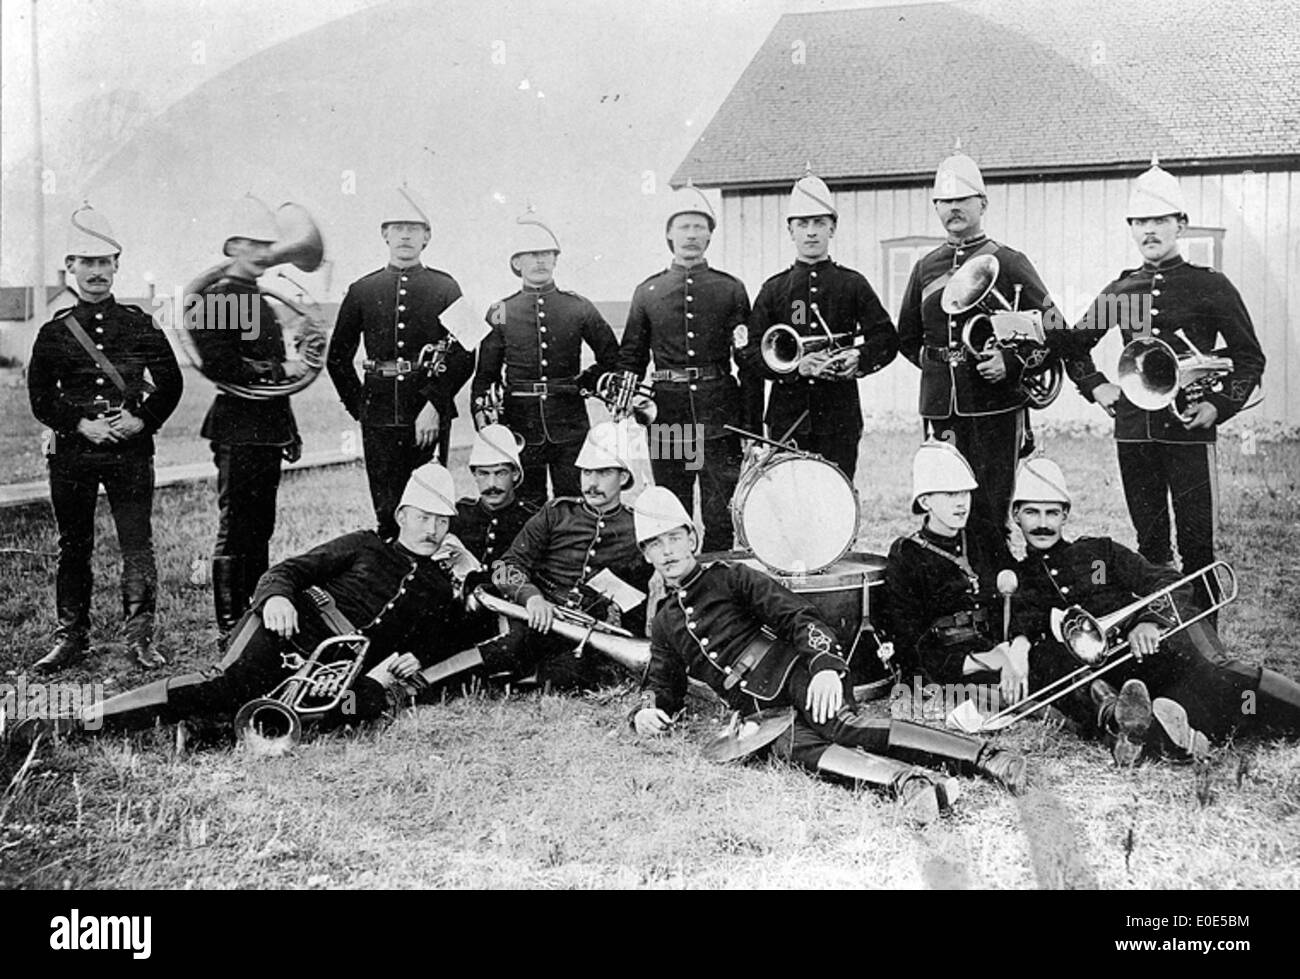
(1003, 327)
(626, 396)
(1152, 376)
(1092, 641)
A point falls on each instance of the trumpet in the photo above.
(618, 644)
(1004, 326)
(272, 725)
(783, 346)
(1092, 641)
(1153, 377)
(626, 396)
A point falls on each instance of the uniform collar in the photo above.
(699, 266)
(601, 514)
(1054, 551)
(105, 305)
(820, 263)
(394, 270)
(970, 242)
(482, 505)
(947, 543)
(1172, 262)
(690, 579)
(533, 291)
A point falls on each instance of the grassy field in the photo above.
(537, 790)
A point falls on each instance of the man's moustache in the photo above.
(1042, 533)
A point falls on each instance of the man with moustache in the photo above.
(537, 336)
(690, 318)
(412, 319)
(941, 583)
(760, 646)
(1208, 691)
(815, 296)
(249, 438)
(552, 563)
(979, 406)
(1168, 457)
(395, 592)
(487, 525)
(87, 381)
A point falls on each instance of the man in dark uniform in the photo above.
(1190, 667)
(691, 319)
(758, 645)
(979, 406)
(394, 592)
(816, 295)
(487, 524)
(235, 332)
(412, 319)
(86, 381)
(1169, 455)
(537, 336)
(941, 582)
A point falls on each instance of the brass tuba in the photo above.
(1003, 326)
(1153, 377)
(304, 328)
(618, 644)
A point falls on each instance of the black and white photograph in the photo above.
(753, 445)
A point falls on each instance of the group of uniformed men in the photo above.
(754, 641)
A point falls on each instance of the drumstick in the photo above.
(1008, 583)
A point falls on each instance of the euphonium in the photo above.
(304, 328)
(618, 644)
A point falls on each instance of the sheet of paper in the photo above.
(465, 323)
(616, 589)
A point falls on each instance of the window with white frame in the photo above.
(1203, 246)
(899, 255)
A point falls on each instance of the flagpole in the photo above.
(38, 289)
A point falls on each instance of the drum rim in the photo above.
(751, 477)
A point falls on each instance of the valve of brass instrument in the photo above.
(627, 396)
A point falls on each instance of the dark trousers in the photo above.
(248, 478)
(715, 464)
(391, 456)
(991, 444)
(1154, 473)
(251, 668)
(128, 480)
(522, 651)
(556, 457)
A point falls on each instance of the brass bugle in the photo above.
(618, 644)
(783, 346)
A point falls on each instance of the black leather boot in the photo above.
(71, 639)
(138, 614)
(1279, 702)
(921, 795)
(1124, 718)
(229, 596)
(1002, 765)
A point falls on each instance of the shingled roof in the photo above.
(880, 95)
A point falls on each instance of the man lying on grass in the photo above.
(758, 645)
(396, 592)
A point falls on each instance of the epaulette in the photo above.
(371, 275)
(1129, 273)
(564, 499)
(467, 501)
(773, 278)
(650, 278)
(135, 310)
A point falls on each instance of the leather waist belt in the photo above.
(758, 647)
(540, 389)
(978, 617)
(946, 355)
(684, 374)
(388, 368)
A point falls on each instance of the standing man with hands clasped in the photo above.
(86, 381)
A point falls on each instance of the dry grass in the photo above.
(545, 791)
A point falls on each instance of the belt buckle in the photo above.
(539, 387)
(403, 365)
(692, 373)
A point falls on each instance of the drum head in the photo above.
(797, 514)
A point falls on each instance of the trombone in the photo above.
(1003, 326)
(1092, 640)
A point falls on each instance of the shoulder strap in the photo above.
(988, 248)
(962, 562)
(96, 354)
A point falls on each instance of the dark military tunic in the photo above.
(705, 626)
(246, 350)
(562, 546)
(488, 533)
(537, 336)
(1176, 295)
(848, 304)
(931, 338)
(936, 613)
(1191, 666)
(396, 312)
(687, 320)
(65, 384)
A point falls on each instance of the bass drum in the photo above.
(796, 513)
(843, 596)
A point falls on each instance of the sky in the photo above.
(110, 71)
